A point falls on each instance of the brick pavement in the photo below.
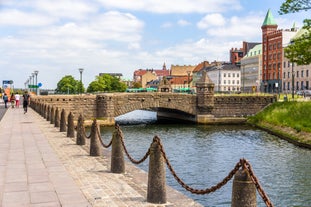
(40, 166)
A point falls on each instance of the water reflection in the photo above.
(203, 155)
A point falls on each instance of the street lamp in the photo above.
(80, 88)
(293, 81)
(29, 83)
(36, 74)
(33, 81)
(188, 72)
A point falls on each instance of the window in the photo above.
(224, 81)
(224, 74)
(238, 82)
(284, 75)
(237, 75)
(288, 64)
(301, 85)
(307, 73)
(228, 81)
(233, 75)
(288, 74)
(302, 73)
(297, 74)
(288, 86)
(229, 74)
(233, 82)
(307, 85)
(284, 64)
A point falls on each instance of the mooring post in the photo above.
(62, 127)
(156, 174)
(52, 115)
(71, 126)
(56, 124)
(243, 190)
(80, 131)
(117, 153)
(48, 113)
(94, 145)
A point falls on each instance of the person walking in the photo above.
(12, 100)
(17, 97)
(5, 99)
(26, 99)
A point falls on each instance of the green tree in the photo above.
(69, 85)
(137, 85)
(106, 83)
(299, 51)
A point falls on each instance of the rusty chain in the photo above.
(125, 150)
(101, 140)
(187, 187)
(265, 198)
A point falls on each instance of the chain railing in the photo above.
(242, 164)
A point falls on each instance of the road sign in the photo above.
(39, 85)
(33, 86)
(7, 82)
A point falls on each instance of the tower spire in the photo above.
(269, 19)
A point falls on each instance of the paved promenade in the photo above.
(40, 166)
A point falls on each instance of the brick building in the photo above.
(273, 41)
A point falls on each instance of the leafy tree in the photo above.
(106, 83)
(137, 85)
(69, 85)
(300, 49)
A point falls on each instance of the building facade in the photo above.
(273, 41)
(251, 65)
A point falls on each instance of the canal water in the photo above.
(203, 155)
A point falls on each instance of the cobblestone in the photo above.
(40, 166)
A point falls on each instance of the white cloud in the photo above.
(167, 25)
(182, 22)
(182, 6)
(211, 20)
(14, 17)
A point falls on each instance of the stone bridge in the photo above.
(203, 107)
(105, 107)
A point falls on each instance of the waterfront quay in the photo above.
(41, 166)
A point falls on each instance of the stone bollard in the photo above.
(80, 131)
(243, 190)
(94, 145)
(56, 119)
(117, 154)
(52, 115)
(71, 126)
(48, 113)
(156, 175)
(62, 127)
(44, 111)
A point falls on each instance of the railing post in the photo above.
(71, 126)
(52, 115)
(243, 190)
(56, 119)
(48, 113)
(94, 145)
(156, 175)
(80, 131)
(117, 154)
(62, 127)
(44, 110)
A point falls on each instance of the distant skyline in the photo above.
(57, 37)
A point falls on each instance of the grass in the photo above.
(296, 115)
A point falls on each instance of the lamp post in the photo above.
(36, 74)
(293, 81)
(81, 71)
(188, 72)
(29, 83)
(33, 81)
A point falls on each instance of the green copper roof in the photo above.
(254, 51)
(269, 20)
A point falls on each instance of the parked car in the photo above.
(307, 93)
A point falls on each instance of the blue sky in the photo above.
(57, 37)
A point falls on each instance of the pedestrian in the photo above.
(12, 100)
(5, 99)
(26, 99)
(17, 97)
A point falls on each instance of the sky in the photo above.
(57, 37)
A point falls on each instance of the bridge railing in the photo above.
(245, 182)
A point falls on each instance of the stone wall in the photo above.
(77, 104)
(240, 106)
